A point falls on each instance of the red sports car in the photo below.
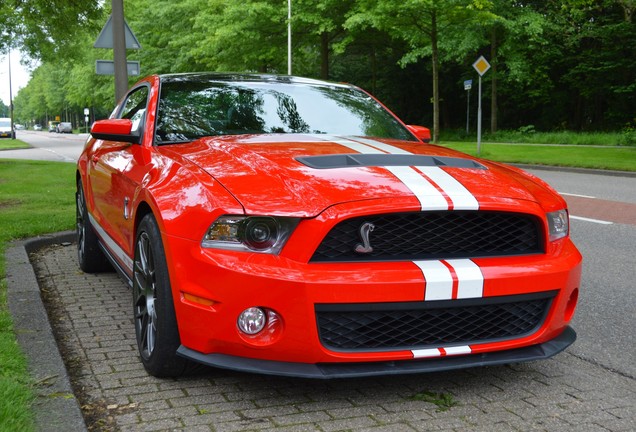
(296, 227)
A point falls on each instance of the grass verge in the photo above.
(527, 135)
(35, 198)
(608, 158)
(12, 144)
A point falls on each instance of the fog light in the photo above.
(252, 320)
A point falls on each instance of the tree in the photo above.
(43, 28)
(422, 24)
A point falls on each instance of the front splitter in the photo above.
(364, 369)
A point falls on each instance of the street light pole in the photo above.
(11, 97)
(289, 39)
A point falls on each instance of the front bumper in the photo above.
(351, 370)
(211, 288)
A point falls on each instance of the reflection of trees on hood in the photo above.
(288, 113)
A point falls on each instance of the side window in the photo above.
(135, 106)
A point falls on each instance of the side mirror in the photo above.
(421, 132)
(115, 130)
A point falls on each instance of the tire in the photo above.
(89, 254)
(156, 327)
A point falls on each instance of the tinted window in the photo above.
(192, 109)
(135, 106)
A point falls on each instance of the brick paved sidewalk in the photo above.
(92, 318)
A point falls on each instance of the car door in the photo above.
(115, 179)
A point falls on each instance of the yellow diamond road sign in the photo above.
(481, 66)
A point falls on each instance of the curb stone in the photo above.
(55, 407)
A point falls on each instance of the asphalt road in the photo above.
(605, 319)
(603, 210)
(48, 146)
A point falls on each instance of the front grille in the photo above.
(433, 235)
(397, 326)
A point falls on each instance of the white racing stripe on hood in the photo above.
(432, 186)
(386, 148)
(460, 196)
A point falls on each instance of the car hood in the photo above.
(302, 175)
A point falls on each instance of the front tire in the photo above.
(155, 319)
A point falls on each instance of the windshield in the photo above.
(5, 123)
(193, 109)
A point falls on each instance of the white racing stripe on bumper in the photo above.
(469, 277)
(442, 352)
(438, 278)
(451, 279)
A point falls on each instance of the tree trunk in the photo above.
(324, 55)
(493, 89)
(374, 70)
(628, 8)
(435, 61)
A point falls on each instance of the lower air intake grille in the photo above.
(396, 326)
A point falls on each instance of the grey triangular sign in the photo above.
(105, 38)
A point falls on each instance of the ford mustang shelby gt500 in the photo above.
(296, 227)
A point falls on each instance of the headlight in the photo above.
(249, 233)
(558, 224)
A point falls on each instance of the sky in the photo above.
(19, 75)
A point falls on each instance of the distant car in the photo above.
(297, 227)
(37, 127)
(19, 126)
(65, 127)
(53, 126)
(5, 128)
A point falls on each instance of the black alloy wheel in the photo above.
(155, 320)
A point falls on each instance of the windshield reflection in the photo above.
(193, 109)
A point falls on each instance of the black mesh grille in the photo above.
(433, 235)
(430, 324)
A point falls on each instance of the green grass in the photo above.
(527, 135)
(35, 198)
(609, 158)
(12, 144)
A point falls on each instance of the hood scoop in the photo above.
(385, 160)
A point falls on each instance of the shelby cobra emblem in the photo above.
(365, 230)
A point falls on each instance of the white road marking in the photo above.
(602, 222)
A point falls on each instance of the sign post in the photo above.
(467, 86)
(86, 119)
(481, 65)
(117, 35)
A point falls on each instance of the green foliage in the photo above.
(556, 65)
(45, 29)
(628, 134)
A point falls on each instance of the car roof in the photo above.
(246, 77)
